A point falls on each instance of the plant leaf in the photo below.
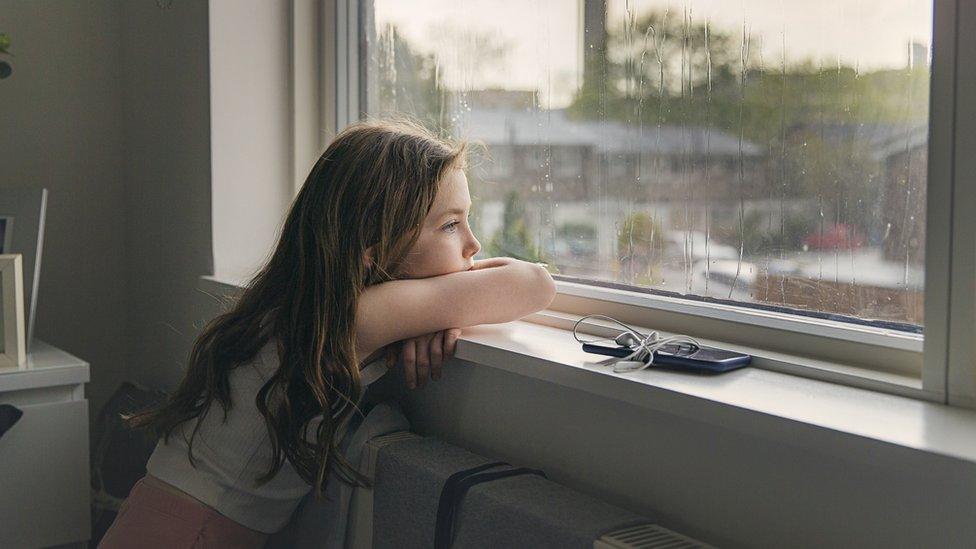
(4, 43)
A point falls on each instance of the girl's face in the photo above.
(446, 243)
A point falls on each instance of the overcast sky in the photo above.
(544, 39)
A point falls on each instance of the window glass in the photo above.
(771, 153)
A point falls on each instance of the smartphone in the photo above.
(683, 357)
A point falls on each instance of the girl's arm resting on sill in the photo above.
(494, 291)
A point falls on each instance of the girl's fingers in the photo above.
(436, 355)
(423, 359)
(450, 341)
(408, 355)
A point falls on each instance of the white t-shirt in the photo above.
(230, 456)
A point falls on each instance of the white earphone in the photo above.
(643, 346)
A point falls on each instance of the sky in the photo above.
(543, 38)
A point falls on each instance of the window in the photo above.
(771, 157)
(755, 173)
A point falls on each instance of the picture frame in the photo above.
(22, 215)
(13, 350)
(6, 233)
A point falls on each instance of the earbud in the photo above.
(627, 339)
(628, 366)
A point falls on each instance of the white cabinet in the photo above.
(44, 472)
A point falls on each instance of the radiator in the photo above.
(647, 536)
(367, 530)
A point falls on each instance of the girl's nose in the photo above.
(472, 246)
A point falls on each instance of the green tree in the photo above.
(513, 239)
(407, 83)
(579, 236)
(5, 68)
(759, 238)
(665, 69)
(844, 177)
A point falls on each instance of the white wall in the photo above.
(251, 130)
(61, 127)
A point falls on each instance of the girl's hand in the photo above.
(425, 355)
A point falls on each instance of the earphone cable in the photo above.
(643, 346)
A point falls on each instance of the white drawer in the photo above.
(44, 482)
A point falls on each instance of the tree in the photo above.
(658, 62)
(407, 83)
(758, 238)
(5, 68)
(580, 237)
(513, 240)
(664, 69)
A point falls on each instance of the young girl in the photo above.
(376, 250)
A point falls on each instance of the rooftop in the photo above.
(514, 126)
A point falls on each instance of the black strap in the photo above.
(9, 415)
(445, 510)
(455, 489)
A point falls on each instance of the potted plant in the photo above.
(5, 68)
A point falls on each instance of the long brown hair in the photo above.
(371, 189)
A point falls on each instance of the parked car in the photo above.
(836, 236)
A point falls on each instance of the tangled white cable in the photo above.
(643, 346)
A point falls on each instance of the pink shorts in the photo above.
(153, 517)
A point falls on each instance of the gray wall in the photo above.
(166, 91)
(109, 108)
(61, 127)
(207, 177)
(721, 485)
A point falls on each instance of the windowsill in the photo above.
(752, 400)
(765, 359)
(757, 401)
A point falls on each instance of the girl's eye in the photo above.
(452, 226)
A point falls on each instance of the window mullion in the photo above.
(938, 228)
(962, 370)
(340, 64)
(347, 62)
(329, 80)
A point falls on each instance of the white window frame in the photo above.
(326, 43)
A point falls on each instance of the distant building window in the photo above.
(567, 161)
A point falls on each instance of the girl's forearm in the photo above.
(492, 262)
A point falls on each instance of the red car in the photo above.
(837, 236)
